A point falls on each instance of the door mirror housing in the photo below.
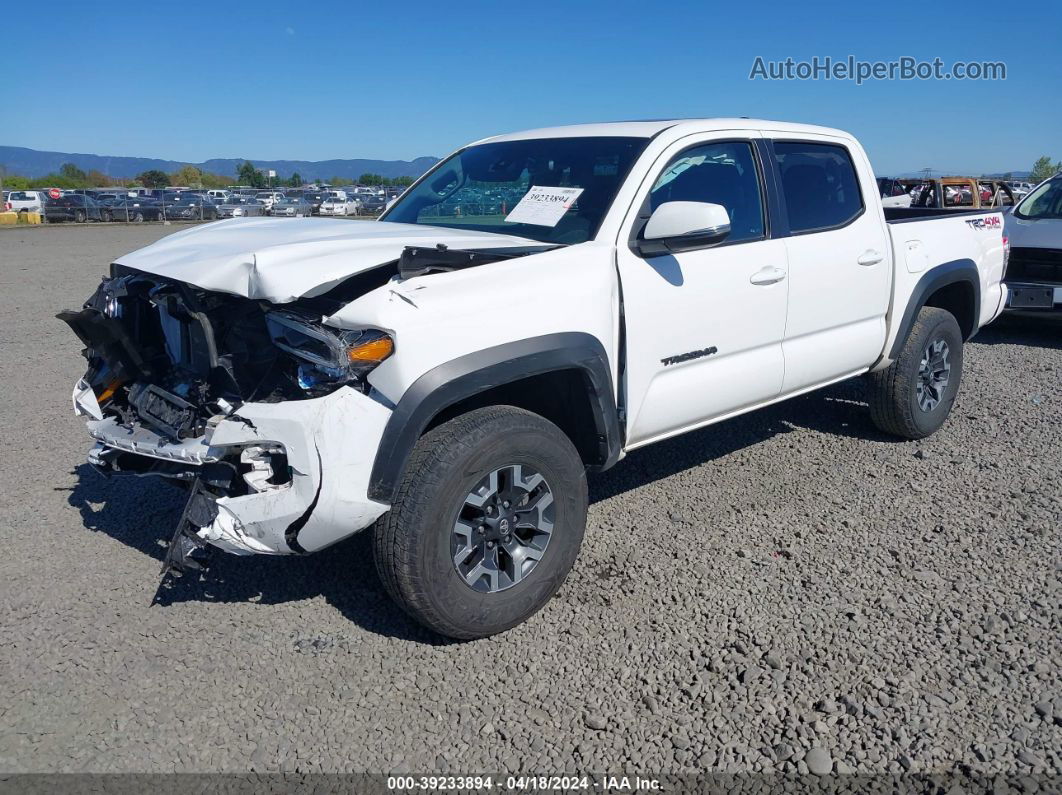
(683, 226)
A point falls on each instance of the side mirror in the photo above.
(680, 226)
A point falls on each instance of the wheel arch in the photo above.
(536, 373)
(953, 286)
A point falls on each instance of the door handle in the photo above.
(769, 275)
(870, 257)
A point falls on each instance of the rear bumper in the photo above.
(330, 445)
(1034, 297)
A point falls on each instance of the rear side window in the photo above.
(819, 183)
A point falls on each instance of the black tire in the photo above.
(138, 218)
(897, 405)
(79, 216)
(106, 216)
(412, 541)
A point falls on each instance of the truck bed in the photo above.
(926, 239)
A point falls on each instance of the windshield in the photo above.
(482, 188)
(1044, 202)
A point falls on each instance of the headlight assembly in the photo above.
(328, 356)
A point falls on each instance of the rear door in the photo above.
(839, 261)
(703, 328)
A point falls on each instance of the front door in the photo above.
(705, 327)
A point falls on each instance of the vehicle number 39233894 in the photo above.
(527, 783)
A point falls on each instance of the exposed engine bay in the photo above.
(171, 356)
(167, 362)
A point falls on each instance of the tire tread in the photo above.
(427, 466)
(891, 409)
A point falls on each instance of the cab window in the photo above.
(718, 173)
(819, 184)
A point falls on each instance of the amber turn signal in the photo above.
(371, 351)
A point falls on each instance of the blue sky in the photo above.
(313, 81)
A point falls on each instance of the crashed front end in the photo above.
(262, 411)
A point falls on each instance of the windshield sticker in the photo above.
(543, 206)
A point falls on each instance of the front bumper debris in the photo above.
(326, 445)
(187, 551)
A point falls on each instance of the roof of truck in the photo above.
(649, 128)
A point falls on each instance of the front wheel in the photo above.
(913, 396)
(488, 521)
(79, 216)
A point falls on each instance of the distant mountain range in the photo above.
(33, 163)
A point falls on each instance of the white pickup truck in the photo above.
(534, 307)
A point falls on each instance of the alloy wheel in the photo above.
(503, 528)
(934, 372)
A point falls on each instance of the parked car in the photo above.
(269, 198)
(334, 205)
(241, 207)
(75, 207)
(189, 207)
(218, 195)
(893, 192)
(316, 198)
(356, 392)
(1034, 230)
(292, 206)
(134, 209)
(1020, 188)
(371, 203)
(25, 201)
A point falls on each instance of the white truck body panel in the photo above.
(280, 260)
(442, 316)
(919, 246)
(838, 289)
(767, 318)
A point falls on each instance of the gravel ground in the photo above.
(787, 591)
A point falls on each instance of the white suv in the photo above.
(26, 201)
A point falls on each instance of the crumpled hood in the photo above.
(1034, 232)
(282, 259)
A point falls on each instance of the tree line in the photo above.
(70, 177)
(1044, 168)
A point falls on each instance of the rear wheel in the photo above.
(913, 396)
(487, 524)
